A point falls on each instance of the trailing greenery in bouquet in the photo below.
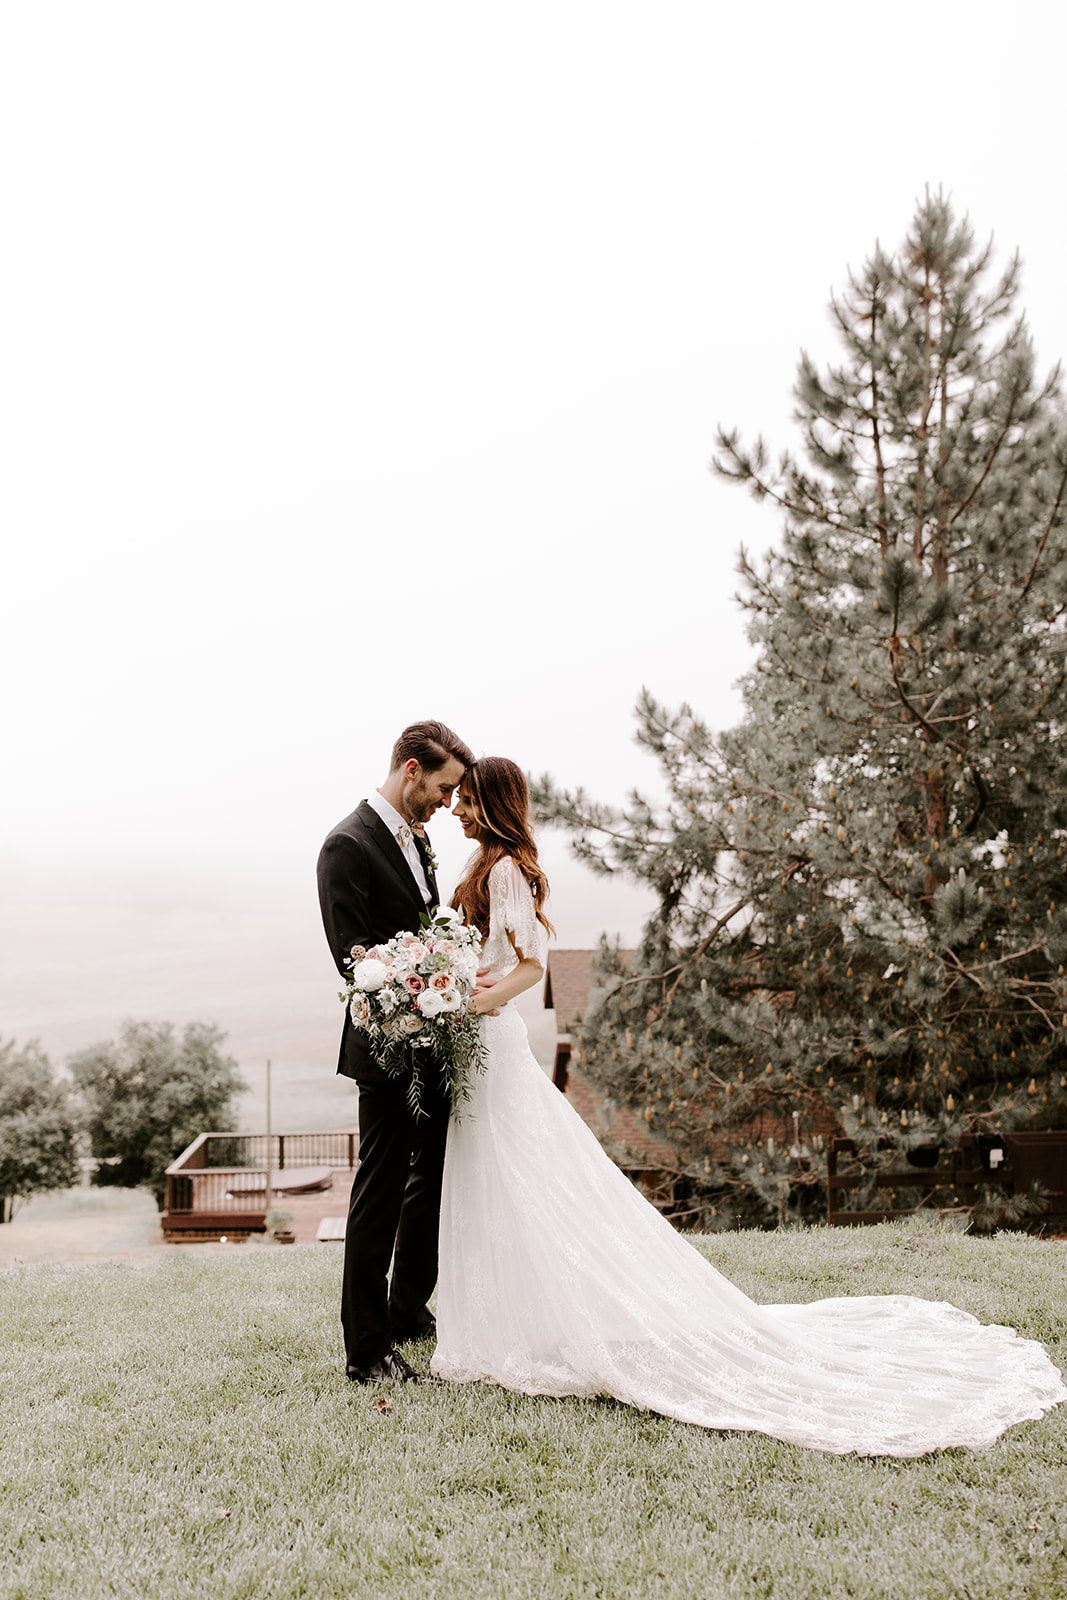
(411, 996)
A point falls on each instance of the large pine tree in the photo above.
(862, 918)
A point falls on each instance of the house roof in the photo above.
(569, 981)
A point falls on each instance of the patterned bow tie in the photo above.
(403, 836)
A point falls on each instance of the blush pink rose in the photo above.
(414, 983)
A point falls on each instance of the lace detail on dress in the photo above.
(512, 910)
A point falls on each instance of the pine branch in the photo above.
(935, 735)
(983, 801)
(1047, 530)
(655, 977)
(962, 507)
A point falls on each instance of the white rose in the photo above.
(447, 914)
(465, 966)
(369, 975)
(430, 1003)
(450, 999)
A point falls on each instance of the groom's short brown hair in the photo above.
(430, 744)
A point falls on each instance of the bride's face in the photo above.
(463, 810)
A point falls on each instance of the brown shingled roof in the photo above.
(569, 982)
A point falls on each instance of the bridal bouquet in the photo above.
(410, 997)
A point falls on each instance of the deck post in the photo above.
(267, 1206)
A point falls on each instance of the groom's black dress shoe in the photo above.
(428, 1330)
(389, 1369)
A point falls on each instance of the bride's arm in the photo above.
(517, 981)
(511, 908)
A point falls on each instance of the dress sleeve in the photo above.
(511, 908)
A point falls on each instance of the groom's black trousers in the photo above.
(393, 1214)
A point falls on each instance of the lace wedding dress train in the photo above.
(558, 1278)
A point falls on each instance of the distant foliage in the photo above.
(38, 1135)
(862, 921)
(149, 1093)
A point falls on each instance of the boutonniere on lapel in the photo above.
(420, 833)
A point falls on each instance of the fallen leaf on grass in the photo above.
(383, 1404)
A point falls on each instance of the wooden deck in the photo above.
(217, 1187)
(309, 1209)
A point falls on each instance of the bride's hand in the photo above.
(481, 1000)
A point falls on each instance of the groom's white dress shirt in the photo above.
(400, 829)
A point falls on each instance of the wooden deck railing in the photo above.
(956, 1174)
(217, 1186)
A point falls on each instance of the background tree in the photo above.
(148, 1094)
(862, 918)
(38, 1135)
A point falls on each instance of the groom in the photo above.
(376, 878)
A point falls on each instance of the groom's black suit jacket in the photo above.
(367, 893)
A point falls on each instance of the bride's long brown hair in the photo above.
(500, 802)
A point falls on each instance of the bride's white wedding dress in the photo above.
(558, 1278)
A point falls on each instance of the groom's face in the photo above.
(427, 792)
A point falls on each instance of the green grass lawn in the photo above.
(186, 1430)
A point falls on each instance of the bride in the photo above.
(558, 1278)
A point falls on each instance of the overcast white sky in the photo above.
(362, 363)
